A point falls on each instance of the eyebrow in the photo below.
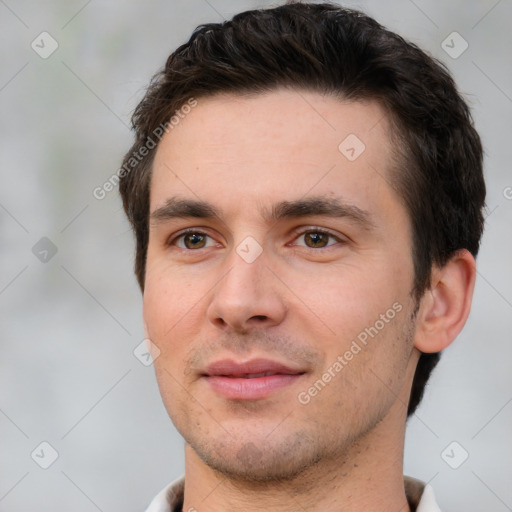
(176, 207)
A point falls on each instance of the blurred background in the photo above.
(82, 426)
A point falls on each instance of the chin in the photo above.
(260, 461)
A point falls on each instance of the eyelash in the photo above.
(172, 241)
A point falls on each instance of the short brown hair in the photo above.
(343, 52)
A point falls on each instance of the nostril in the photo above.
(260, 317)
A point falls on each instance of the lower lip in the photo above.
(236, 388)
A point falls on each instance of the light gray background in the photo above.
(69, 326)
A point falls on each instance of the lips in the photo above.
(254, 375)
(250, 369)
(251, 380)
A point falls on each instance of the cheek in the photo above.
(170, 324)
(170, 290)
(170, 308)
(346, 298)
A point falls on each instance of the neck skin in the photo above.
(369, 478)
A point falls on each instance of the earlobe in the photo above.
(445, 307)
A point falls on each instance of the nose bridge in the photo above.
(247, 294)
(246, 272)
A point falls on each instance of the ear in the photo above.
(445, 306)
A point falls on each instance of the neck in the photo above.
(367, 477)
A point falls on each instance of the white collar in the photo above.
(171, 497)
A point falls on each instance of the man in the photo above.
(306, 193)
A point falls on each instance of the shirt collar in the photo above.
(420, 497)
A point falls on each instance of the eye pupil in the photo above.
(196, 241)
(317, 239)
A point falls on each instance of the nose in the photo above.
(247, 296)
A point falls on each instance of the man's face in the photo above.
(283, 338)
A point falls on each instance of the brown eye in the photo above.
(194, 241)
(191, 240)
(315, 239)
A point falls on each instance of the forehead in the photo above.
(281, 145)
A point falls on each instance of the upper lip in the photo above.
(228, 367)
